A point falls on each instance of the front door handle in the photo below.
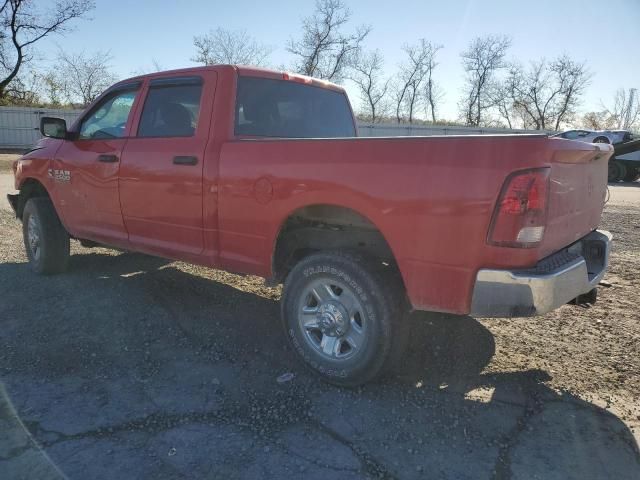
(108, 158)
(185, 160)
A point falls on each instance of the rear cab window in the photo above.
(285, 109)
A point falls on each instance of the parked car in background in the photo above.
(596, 136)
(624, 166)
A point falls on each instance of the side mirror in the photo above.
(53, 127)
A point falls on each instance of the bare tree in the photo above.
(53, 88)
(324, 51)
(24, 90)
(571, 79)
(83, 77)
(624, 114)
(411, 77)
(626, 108)
(432, 94)
(154, 67)
(481, 60)
(547, 92)
(22, 25)
(367, 75)
(598, 121)
(222, 46)
(501, 98)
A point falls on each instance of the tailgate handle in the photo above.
(185, 160)
(108, 158)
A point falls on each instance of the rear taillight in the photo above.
(521, 212)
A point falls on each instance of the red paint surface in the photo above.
(432, 197)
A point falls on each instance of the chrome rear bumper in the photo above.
(553, 282)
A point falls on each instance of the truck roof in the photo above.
(245, 70)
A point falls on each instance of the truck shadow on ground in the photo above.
(635, 184)
(128, 367)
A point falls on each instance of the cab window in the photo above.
(109, 118)
(280, 108)
(172, 108)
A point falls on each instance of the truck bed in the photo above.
(431, 197)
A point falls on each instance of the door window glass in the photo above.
(109, 118)
(171, 111)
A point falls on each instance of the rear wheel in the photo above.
(632, 174)
(617, 171)
(342, 314)
(45, 239)
(601, 140)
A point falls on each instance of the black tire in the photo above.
(601, 140)
(51, 254)
(632, 174)
(617, 171)
(378, 300)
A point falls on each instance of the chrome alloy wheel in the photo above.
(33, 237)
(332, 319)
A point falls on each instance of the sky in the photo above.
(605, 34)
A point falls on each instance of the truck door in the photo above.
(162, 166)
(85, 169)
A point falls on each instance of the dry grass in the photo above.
(6, 159)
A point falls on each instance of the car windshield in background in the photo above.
(285, 109)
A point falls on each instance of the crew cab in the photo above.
(261, 172)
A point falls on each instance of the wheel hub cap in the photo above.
(332, 319)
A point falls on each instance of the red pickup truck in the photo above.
(260, 172)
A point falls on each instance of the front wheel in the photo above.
(45, 239)
(342, 314)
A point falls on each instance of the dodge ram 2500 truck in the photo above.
(260, 172)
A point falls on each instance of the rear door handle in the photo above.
(185, 160)
(108, 158)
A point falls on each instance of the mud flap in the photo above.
(13, 200)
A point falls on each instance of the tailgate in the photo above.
(578, 188)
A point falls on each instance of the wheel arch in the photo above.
(325, 226)
(30, 188)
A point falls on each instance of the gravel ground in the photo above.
(131, 366)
